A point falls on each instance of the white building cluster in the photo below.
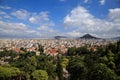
(50, 46)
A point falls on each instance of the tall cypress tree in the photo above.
(59, 69)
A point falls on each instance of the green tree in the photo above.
(110, 56)
(101, 72)
(117, 63)
(23, 49)
(104, 59)
(40, 75)
(51, 70)
(40, 48)
(71, 51)
(59, 68)
(44, 62)
(9, 73)
(64, 62)
(26, 63)
(108, 59)
(113, 47)
(82, 50)
(76, 68)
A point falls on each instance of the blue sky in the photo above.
(49, 18)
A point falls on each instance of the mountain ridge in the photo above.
(88, 36)
(60, 37)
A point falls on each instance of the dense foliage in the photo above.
(82, 63)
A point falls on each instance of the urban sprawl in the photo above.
(50, 46)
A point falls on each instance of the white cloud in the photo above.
(81, 21)
(47, 32)
(114, 14)
(21, 30)
(86, 1)
(46, 29)
(102, 2)
(21, 14)
(5, 7)
(7, 16)
(15, 30)
(74, 34)
(42, 17)
(9, 28)
(2, 12)
(7, 25)
(45, 24)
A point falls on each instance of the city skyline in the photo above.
(72, 18)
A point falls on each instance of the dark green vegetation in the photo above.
(102, 63)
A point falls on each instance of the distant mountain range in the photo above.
(88, 36)
(60, 37)
(116, 38)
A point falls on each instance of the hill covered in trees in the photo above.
(82, 63)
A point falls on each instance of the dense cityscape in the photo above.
(50, 46)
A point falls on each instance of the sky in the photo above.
(49, 18)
